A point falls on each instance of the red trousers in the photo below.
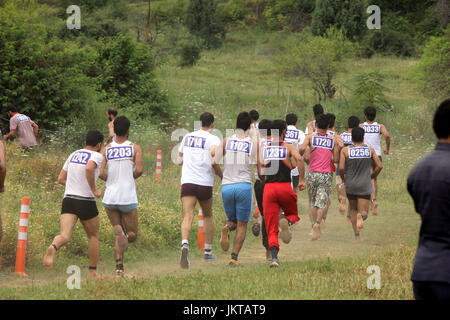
(278, 195)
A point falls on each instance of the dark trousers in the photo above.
(431, 290)
(259, 191)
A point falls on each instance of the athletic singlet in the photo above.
(120, 185)
(357, 170)
(238, 160)
(274, 156)
(322, 153)
(262, 143)
(372, 136)
(346, 139)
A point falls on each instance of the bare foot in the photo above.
(349, 221)
(359, 221)
(48, 258)
(323, 224)
(357, 239)
(375, 208)
(94, 275)
(342, 207)
(315, 232)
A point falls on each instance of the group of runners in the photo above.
(278, 152)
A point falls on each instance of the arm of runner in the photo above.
(305, 145)
(111, 133)
(336, 149)
(378, 164)
(90, 177)
(387, 138)
(35, 128)
(339, 141)
(342, 163)
(103, 175)
(2, 167)
(300, 167)
(9, 135)
(216, 166)
(138, 162)
(220, 152)
(62, 178)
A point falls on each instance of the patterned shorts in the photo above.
(319, 187)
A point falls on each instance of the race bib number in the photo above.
(239, 146)
(274, 153)
(322, 142)
(119, 153)
(22, 118)
(80, 157)
(292, 134)
(371, 128)
(359, 153)
(346, 138)
(195, 142)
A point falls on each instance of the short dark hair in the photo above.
(353, 122)
(331, 119)
(243, 121)
(358, 134)
(317, 109)
(322, 121)
(11, 108)
(254, 115)
(441, 120)
(291, 119)
(370, 113)
(112, 111)
(94, 137)
(278, 126)
(265, 126)
(207, 119)
(121, 126)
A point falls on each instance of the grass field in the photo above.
(240, 76)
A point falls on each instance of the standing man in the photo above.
(25, 128)
(296, 137)
(124, 161)
(429, 186)
(279, 159)
(239, 152)
(111, 114)
(79, 175)
(323, 150)
(355, 172)
(372, 137)
(196, 153)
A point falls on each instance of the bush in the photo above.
(387, 41)
(190, 54)
(293, 15)
(370, 89)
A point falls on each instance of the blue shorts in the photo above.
(237, 201)
(124, 208)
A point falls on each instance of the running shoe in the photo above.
(122, 239)
(359, 221)
(225, 238)
(285, 233)
(184, 261)
(275, 263)
(256, 229)
(209, 256)
(234, 263)
(119, 272)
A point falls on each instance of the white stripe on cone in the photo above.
(25, 208)
(23, 222)
(22, 236)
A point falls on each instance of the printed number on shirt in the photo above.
(275, 153)
(81, 158)
(195, 142)
(359, 153)
(291, 134)
(346, 138)
(239, 146)
(322, 142)
(371, 128)
(22, 118)
(115, 153)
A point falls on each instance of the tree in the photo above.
(370, 89)
(203, 21)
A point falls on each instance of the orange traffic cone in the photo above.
(201, 234)
(23, 235)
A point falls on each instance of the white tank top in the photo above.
(372, 136)
(238, 160)
(120, 185)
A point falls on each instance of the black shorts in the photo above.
(84, 209)
(356, 196)
(202, 193)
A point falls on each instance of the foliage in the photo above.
(190, 53)
(370, 89)
(387, 41)
(288, 14)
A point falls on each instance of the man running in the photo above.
(239, 152)
(279, 159)
(255, 116)
(323, 150)
(372, 137)
(355, 171)
(265, 137)
(79, 175)
(196, 153)
(111, 114)
(346, 137)
(26, 129)
(296, 137)
(312, 126)
(124, 161)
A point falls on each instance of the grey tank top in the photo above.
(357, 171)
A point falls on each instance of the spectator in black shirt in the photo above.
(429, 186)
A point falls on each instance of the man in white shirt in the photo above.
(296, 137)
(196, 155)
(79, 175)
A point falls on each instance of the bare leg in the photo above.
(188, 203)
(116, 222)
(208, 220)
(91, 227)
(67, 223)
(240, 237)
(316, 228)
(353, 210)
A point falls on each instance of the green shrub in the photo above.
(190, 54)
(293, 15)
(370, 89)
(387, 41)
